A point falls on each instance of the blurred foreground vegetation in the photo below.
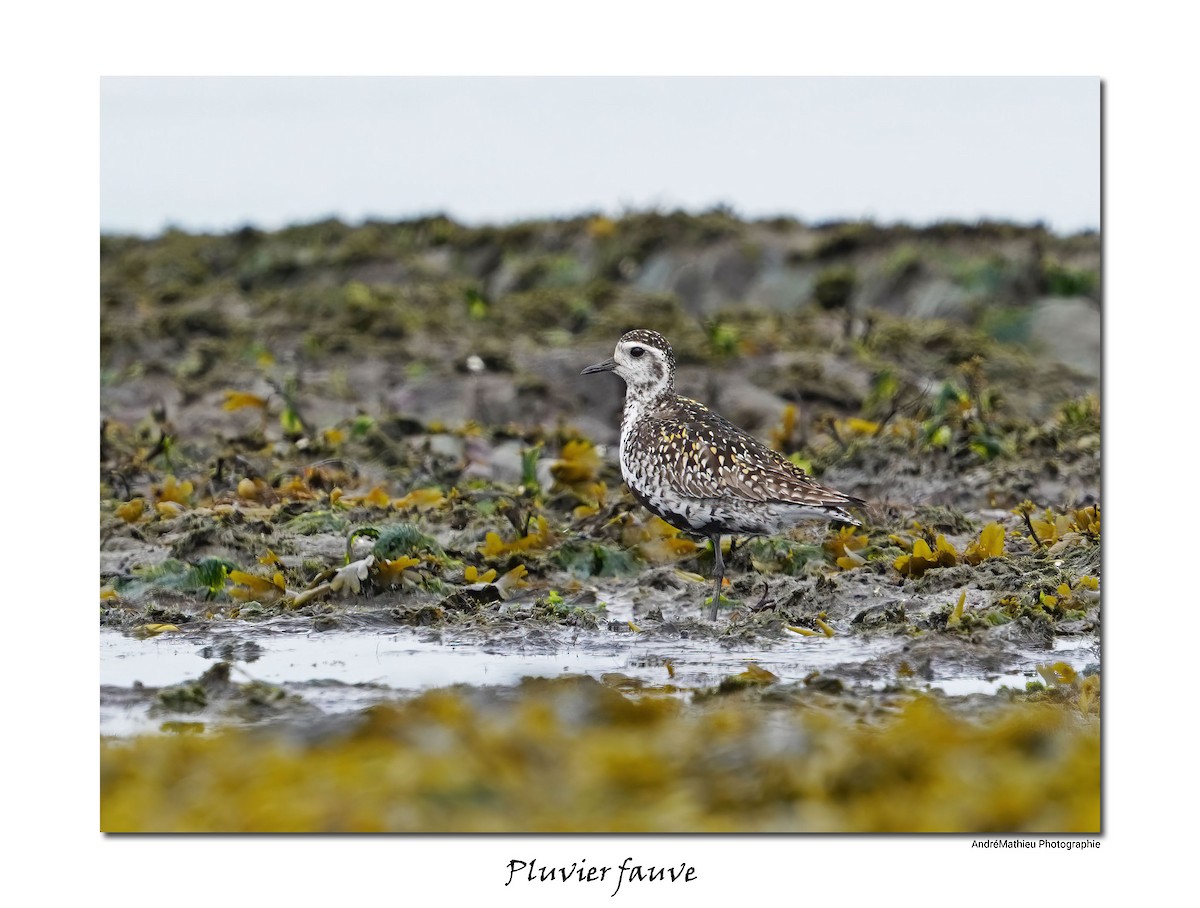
(573, 755)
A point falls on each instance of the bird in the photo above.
(698, 471)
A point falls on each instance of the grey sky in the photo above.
(216, 153)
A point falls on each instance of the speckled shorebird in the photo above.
(698, 471)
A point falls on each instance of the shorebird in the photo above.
(698, 471)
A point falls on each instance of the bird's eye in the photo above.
(636, 351)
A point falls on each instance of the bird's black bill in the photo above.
(607, 366)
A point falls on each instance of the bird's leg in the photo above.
(719, 571)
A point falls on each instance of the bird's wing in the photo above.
(706, 456)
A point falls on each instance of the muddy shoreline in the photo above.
(343, 468)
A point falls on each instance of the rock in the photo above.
(451, 446)
(506, 462)
(783, 289)
(1068, 329)
(705, 280)
(941, 299)
(657, 273)
(809, 376)
(749, 406)
(733, 273)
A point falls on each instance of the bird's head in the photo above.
(644, 359)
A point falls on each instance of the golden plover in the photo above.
(698, 471)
